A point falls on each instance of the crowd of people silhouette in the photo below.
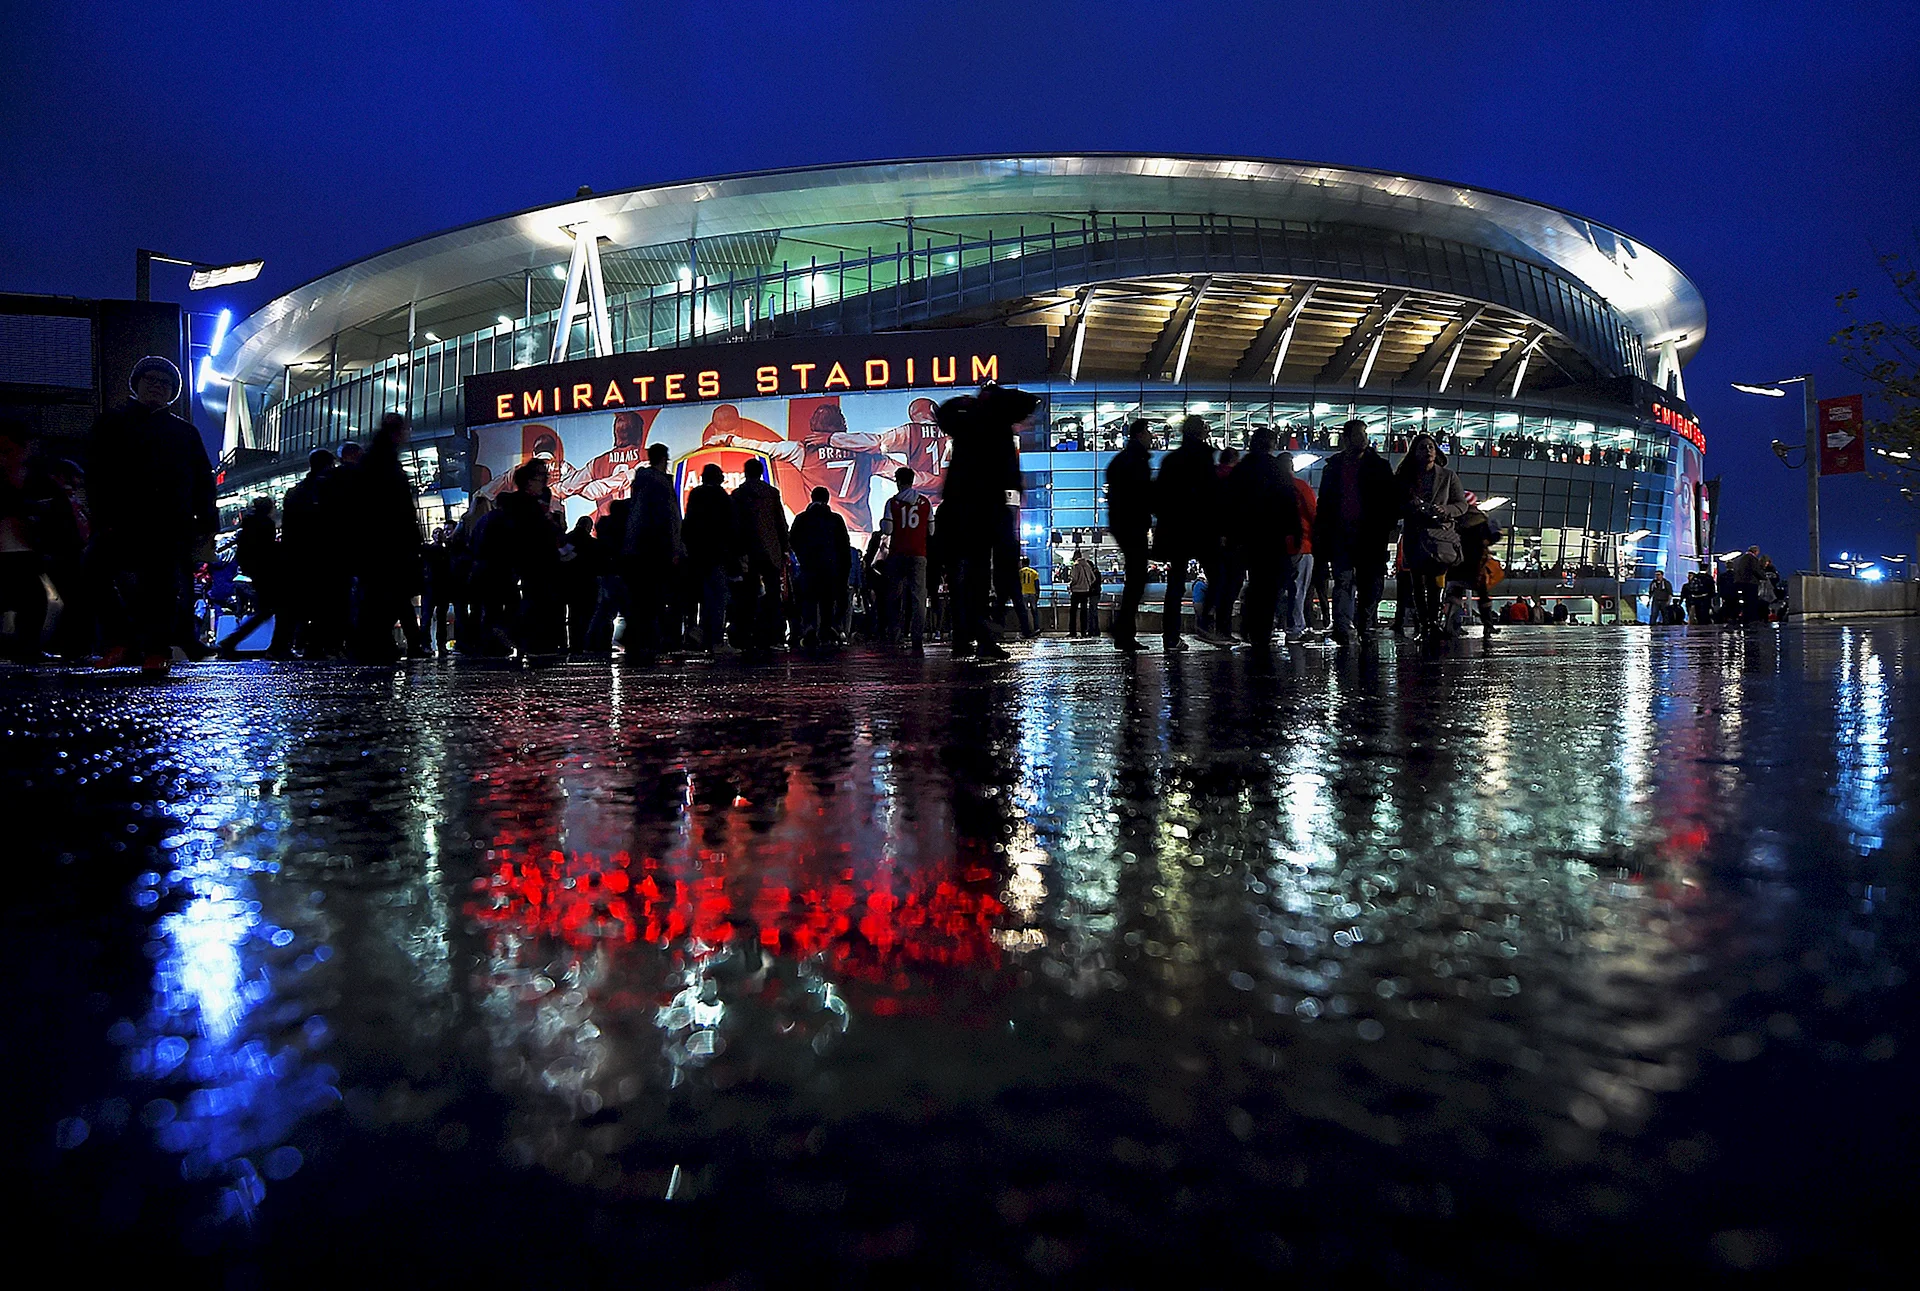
(344, 571)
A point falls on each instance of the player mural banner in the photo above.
(1690, 513)
(848, 444)
(1843, 435)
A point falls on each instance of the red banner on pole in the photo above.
(1843, 436)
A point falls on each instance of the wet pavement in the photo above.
(1588, 954)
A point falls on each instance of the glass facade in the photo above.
(1574, 482)
(1580, 493)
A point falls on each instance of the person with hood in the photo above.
(1353, 528)
(150, 488)
(712, 553)
(1262, 513)
(389, 566)
(978, 521)
(1185, 505)
(1129, 517)
(1432, 503)
(762, 539)
(652, 552)
(824, 550)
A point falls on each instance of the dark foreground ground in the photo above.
(1588, 956)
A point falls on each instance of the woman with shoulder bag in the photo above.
(1433, 502)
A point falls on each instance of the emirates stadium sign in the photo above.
(958, 359)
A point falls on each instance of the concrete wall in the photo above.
(1832, 598)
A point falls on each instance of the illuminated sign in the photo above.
(957, 359)
(1688, 428)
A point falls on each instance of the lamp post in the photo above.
(1811, 445)
(203, 277)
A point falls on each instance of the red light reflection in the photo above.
(880, 928)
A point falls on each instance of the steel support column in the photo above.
(1268, 349)
(1371, 325)
(1445, 345)
(1178, 331)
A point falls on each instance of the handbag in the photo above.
(1493, 572)
(1437, 546)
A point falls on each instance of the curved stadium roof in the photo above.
(1646, 289)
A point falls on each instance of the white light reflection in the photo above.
(204, 969)
(1861, 741)
(427, 938)
(1633, 727)
(236, 1078)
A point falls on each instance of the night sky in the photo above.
(1767, 149)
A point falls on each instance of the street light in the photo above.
(203, 276)
(1811, 445)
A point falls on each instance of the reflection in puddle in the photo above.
(1468, 910)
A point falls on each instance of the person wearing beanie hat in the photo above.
(161, 369)
(151, 498)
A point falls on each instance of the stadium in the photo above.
(1544, 350)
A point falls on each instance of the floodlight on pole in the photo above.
(204, 275)
(1811, 414)
(222, 275)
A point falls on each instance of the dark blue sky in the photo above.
(1768, 149)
